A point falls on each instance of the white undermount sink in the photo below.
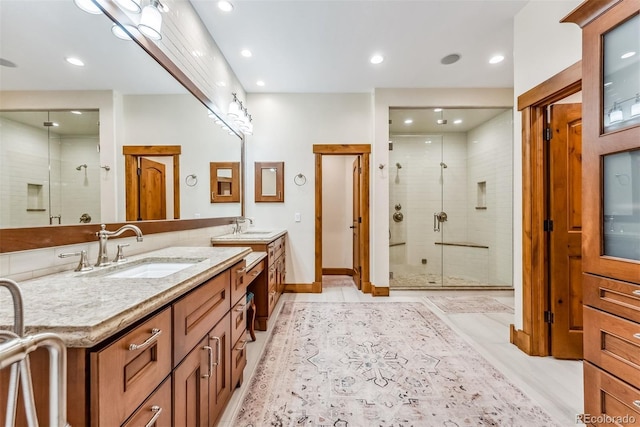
(151, 268)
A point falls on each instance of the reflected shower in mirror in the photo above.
(137, 102)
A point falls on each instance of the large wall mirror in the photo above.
(126, 99)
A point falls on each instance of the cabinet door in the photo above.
(191, 387)
(220, 382)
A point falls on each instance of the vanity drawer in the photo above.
(198, 311)
(238, 281)
(271, 252)
(614, 296)
(606, 395)
(279, 246)
(613, 344)
(156, 410)
(254, 272)
(238, 360)
(124, 373)
(239, 320)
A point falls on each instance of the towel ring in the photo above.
(300, 179)
(191, 180)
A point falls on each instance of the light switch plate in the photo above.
(297, 216)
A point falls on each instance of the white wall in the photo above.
(337, 211)
(286, 126)
(542, 48)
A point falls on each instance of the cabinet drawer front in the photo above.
(613, 344)
(609, 401)
(239, 320)
(123, 375)
(614, 296)
(254, 272)
(238, 360)
(238, 281)
(196, 313)
(279, 247)
(156, 410)
(271, 252)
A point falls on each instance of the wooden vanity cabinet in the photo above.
(610, 208)
(268, 286)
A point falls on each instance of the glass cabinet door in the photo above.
(621, 71)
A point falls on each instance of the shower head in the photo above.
(81, 166)
(443, 164)
(398, 165)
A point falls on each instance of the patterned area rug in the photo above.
(469, 304)
(377, 364)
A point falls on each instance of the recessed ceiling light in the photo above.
(376, 59)
(221, 83)
(457, 121)
(428, 141)
(437, 110)
(450, 59)
(225, 6)
(54, 124)
(408, 121)
(74, 61)
(246, 53)
(76, 112)
(260, 83)
(627, 55)
(496, 59)
(7, 63)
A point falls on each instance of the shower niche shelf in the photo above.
(34, 198)
(481, 203)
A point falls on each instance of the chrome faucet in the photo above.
(103, 236)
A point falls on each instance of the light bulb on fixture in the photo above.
(635, 107)
(88, 6)
(124, 31)
(441, 120)
(234, 108)
(151, 21)
(615, 115)
(130, 5)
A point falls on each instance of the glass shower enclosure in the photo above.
(450, 196)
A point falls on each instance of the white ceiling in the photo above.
(309, 46)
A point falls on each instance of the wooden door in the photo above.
(153, 190)
(565, 236)
(220, 381)
(190, 388)
(357, 172)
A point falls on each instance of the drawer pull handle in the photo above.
(155, 333)
(637, 335)
(255, 273)
(636, 292)
(244, 344)
(241, 308)
(210, 359)
(241, 270)
(157, 411)
(217, 351)
(637, 403)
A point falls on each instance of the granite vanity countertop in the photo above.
(84, 308)
(250, 236)
(253, 258)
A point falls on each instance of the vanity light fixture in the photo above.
(88, 6)
(151, 21)
(239, 115)
(441, 120)
(132, 6)
(635, 107)
(123, 31)
(225, 6)
(234, 108)
(615, 115)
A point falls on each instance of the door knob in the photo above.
(352, 226)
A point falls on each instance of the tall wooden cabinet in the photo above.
(611, 209)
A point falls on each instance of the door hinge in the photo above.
(359, 220)
(548, 134)
(548, 225)
(391, 146)
(548, 317)
(139, 172)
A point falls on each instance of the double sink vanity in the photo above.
(160, 338)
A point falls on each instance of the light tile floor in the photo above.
(554, 384)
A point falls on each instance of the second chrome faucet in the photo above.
(103, 237)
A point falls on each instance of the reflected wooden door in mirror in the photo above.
(269, 181)
(225, 182)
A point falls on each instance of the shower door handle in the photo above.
(438, 218)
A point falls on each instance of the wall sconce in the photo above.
(239, 115)
(635, 107)
(615, 115)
